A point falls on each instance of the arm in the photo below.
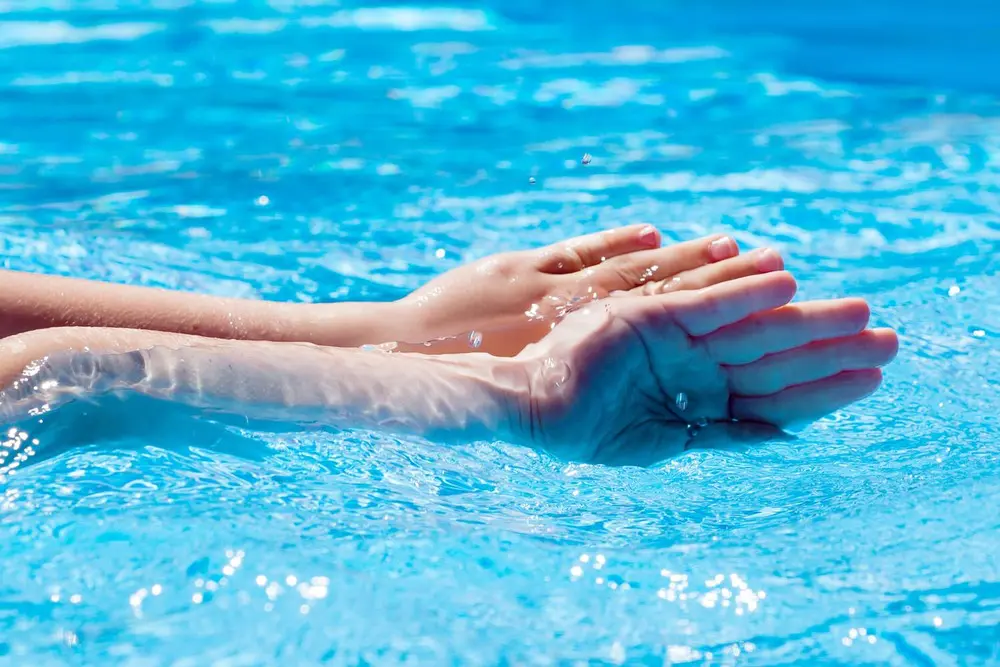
(446, 399)
(31, 301)
(503, 302)
(602, 387)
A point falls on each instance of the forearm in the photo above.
(31, 301)
(454, 399)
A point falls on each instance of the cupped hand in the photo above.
(638, 379)
(504, 302)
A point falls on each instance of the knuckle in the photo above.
(560, 259)
(624, 274)
(504, 266)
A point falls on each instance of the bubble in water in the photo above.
(475, 340)
(532, 181)
(587, 157)
(681, 401)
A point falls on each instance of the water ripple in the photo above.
(299, 150)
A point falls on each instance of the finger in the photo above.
(750, 264)
(869, 349)
(649, 266)
(581, 252)
(703, 311)
(807, 402)
(786, 328)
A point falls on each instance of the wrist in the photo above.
(351, 324)
(499, 386)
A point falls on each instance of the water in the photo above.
(304, 151)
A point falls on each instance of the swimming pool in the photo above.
(311, 151)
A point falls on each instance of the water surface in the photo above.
(313, 151)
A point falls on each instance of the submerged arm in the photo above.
(454, 399)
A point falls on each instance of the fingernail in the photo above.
(768, 260)
(723, 248)
(649, 236)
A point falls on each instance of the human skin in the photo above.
(503, 302)
(602, 387)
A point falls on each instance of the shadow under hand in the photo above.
(735, 435)
(656, 442)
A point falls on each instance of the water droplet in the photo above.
(554, 373)
(694, 428)
(475, 340)
(618, 653)
(681, 401)
(532, 181)
(648, 274)
(262, 200)
(587, 157)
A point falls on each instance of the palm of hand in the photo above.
(636, 380)
(614, 401)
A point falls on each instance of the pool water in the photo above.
(311, 151)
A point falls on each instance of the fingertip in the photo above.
(853, 385)
(865, 382)
(649, 237)
(722, 247)
(776, 288)
(778, 285)
(784, 284)
(858, 311)
(804, 403)
(767, 260)
(589, 250)
(888, 342)
(711, 308)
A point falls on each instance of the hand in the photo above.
(638, 379)
(628, 380)
(504, 302)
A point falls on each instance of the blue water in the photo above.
(862, 140)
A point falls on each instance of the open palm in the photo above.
(637, 379)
